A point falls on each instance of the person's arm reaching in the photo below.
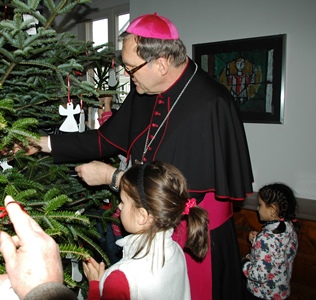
(44, 144)
(98, 173)
(31, 257)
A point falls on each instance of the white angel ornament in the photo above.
(70, 124)
(4, 164)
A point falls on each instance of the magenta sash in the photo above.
(200, 273)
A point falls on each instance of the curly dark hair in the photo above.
(282, 196)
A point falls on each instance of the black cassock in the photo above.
(203, 136)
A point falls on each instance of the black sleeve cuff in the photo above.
(51, 291)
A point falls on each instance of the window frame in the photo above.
(85, 28)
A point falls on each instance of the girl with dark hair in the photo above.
(155, 199)
(268, 267)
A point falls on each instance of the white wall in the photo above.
(284, 152)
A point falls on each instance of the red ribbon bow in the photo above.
(190, 203)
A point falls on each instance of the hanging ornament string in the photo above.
(3, 212)
(4, 13)
(68, 79)
(148, 143)
(88, 61)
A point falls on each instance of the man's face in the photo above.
(146, 78)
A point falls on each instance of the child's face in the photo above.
(266, 213)
(129, 214)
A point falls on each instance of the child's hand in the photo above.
(252, 235)
(105, 105)
(93, 270)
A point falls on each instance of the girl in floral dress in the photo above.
(268, 267)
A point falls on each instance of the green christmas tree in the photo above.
(40, 70)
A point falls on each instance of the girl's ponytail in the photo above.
(197, 243)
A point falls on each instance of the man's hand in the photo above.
(31, 257)
(95, 173)
(33, 147)
(38, 145)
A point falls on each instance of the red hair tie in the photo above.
(190, 203)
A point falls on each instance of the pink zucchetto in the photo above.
(153, 26)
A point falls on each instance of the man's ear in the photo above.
(163, 66)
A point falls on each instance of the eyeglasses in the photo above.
(131, 72)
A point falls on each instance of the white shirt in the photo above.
(147, 276)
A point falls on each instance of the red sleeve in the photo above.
(104, 117)
(116, 287)
(94, 292)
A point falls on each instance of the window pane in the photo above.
(99, 36)
(100, 32)
(122, 23)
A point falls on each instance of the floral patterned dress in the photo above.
(270, 266)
